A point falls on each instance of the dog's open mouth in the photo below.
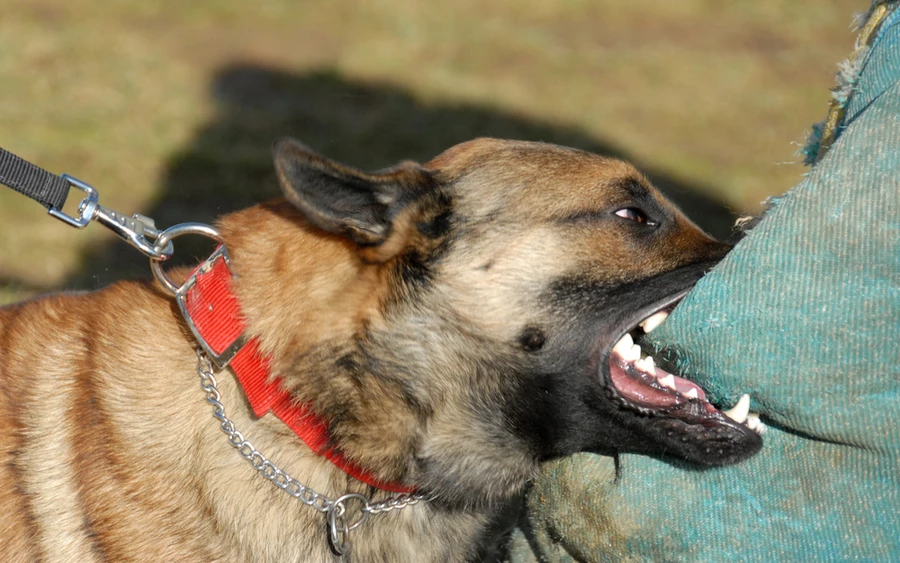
(643, 386)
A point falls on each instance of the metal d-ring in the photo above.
(166, 237)
(337, 526)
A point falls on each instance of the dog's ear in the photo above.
(343, 200)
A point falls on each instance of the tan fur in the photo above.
(108, 451)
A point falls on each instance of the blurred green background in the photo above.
(169, 108)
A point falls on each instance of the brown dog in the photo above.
(452, 323)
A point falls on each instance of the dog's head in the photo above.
(509, 279)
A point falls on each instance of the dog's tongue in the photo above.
(642, 382)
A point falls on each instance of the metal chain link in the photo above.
(335, 510)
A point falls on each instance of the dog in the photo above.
(452, 324)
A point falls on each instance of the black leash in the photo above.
(51, 191)
(47, 189)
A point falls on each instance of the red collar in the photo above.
(214, 316)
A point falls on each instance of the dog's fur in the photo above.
(450, 321)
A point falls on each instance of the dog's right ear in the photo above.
(342, 200)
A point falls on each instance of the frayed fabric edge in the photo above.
(824, 133)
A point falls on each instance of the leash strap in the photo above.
(47, 189)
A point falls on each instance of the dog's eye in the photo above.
(636, 215)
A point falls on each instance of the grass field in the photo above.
(169, 108)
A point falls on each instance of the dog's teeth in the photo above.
(632, 354)
(740, 411)
(641, 364)
(623, 346)
(755, 424)
(646, 365)
(668, 381)
(627, 349)
(691, 393)
(752, 421)
(654, 321)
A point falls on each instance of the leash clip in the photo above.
(138, 231)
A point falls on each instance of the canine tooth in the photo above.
(668, 381)
(654, 321)
(633, 354)
(623, 346)
(741, 409)
(691, 393)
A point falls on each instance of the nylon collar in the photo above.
(213, 313)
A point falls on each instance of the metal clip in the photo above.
(137, 230)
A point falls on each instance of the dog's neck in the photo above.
(309, 298)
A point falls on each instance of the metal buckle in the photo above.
(86, 208)
(223, 358)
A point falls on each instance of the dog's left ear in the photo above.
(343, 200)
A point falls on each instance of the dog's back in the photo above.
(17, 529)
(75, 482)
(42, 373)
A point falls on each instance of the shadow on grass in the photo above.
(228, 165)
